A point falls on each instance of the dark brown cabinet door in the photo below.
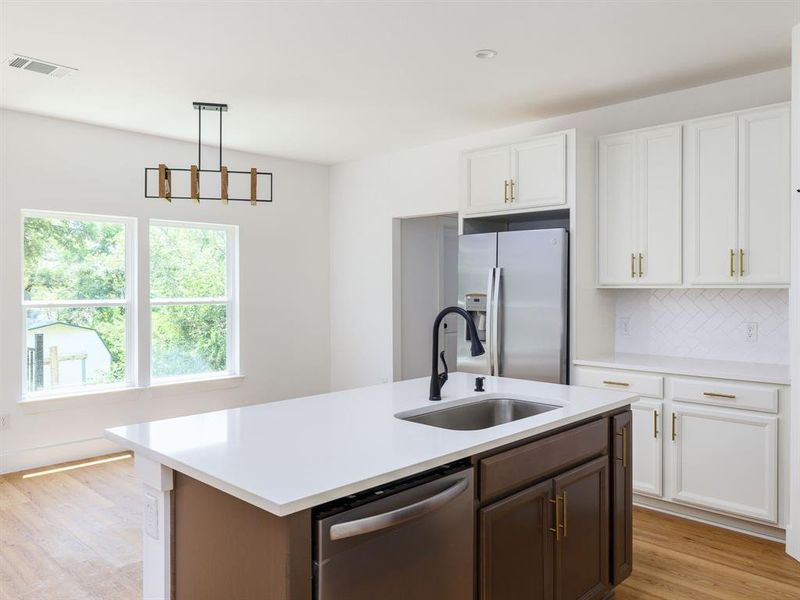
(516, 555)
(581, 552)
(622, 499)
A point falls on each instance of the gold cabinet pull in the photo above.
(741, 261)
(655, 424)
(511, 187)
(558, 527)
(719, 395)
(633, 265)
(624, 435)
(610, 382)
(505, 190)
(674, 426)
(641, 270)
(564, 502)
(733, 271)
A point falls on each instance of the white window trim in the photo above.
(230, 300)
(129, 302)
(137, 304)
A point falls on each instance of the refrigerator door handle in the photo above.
(495, 343)
(489, 318)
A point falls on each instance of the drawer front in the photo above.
(609, 379)
(718, 392)
(513, 469)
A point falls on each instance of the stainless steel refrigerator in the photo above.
(515, 284)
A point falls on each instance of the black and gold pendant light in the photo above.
(259, 183)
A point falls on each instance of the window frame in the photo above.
(230, 300)
(128, 303)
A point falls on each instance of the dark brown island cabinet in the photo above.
(553, 518)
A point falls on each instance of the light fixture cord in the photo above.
(199, 137)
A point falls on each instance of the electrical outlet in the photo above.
(5, 421)
(625, 325)
(751, 332)
(151, 515)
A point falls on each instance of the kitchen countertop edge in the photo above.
(282, 509)
(713, 369)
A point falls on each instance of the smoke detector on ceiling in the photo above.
(26, 63)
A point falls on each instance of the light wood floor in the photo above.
(75, 535)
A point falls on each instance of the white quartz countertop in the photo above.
(292, 455)
(719, 369)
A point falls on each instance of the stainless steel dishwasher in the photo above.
(411, 540)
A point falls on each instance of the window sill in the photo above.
(51, 402)
(173, 387)
(46, 402)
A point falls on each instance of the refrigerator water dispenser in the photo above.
(475, 305)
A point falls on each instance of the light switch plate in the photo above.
(151, 515)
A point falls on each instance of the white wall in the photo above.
(366, 195)
(284, 273)
(428, 283)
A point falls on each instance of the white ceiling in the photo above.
(331, 81)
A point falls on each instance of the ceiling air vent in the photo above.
(26, 63)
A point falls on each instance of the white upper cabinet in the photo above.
(764, 196)
(487, 179)
(737, 199)
(711, 199)
(539, 172)
(617, 209)
(528, 174)
(659, 220)
(639, 208)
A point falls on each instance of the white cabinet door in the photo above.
(725, 460)
(616, 206)
(764, 196)
(711, 201)
(539, 172)
(487, 175)
(647, 447)
(659, 201)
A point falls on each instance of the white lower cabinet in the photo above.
(647, 447)
(705, 443)
(725, 460)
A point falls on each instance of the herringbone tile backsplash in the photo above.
(705, 323)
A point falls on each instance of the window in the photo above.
(78, 302)
(192, 300)
(82, 326)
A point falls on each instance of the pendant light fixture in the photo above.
(260, 182)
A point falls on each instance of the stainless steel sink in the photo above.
(481, 414)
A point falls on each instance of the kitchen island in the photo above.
(230, 496)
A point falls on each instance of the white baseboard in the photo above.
(33, 458)
(792, 543)
(769, 532)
